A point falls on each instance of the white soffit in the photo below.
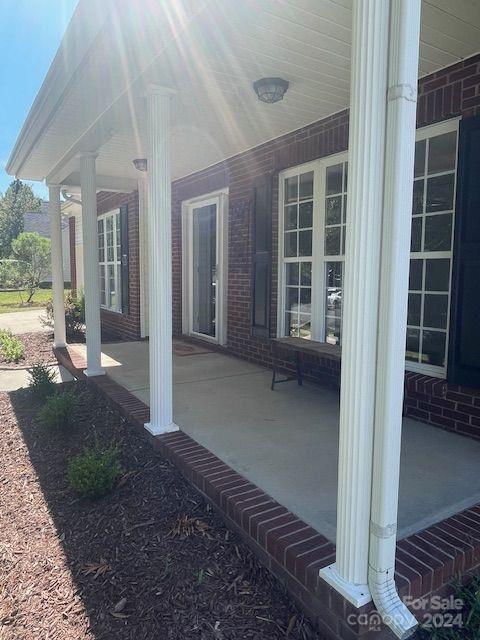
(211, 53)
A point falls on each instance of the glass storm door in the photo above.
(204, 270)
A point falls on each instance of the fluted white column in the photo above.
(395, 263)
(59, 336)
(362, 257)
(90, 264)
(160, 262)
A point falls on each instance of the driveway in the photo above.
(23, 321)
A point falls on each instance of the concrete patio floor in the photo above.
(286, 441)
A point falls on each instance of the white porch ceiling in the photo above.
(210, 53)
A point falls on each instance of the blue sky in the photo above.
(30, 32)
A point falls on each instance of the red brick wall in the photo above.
(73, 255)
(119, 326)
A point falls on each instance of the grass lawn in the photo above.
(11, 301)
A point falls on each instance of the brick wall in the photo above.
(124, 326)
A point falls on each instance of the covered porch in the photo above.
(179, 100)
(286, 441)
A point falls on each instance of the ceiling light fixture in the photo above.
(270, 89)
(140, 164)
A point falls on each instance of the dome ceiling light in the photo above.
(270, 90)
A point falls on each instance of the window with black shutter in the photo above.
(262, 254)
(464, 356)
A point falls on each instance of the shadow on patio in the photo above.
(286, 441)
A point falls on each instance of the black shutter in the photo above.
(124, 258)
(464, 351)
(262, 256)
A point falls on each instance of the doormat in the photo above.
(181, 348)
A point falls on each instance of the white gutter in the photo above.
(395, 260)
(70, 198)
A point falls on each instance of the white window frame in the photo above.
(319, 259)
(431, 131)
(116, 263)
(220, 199)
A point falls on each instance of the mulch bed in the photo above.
(152, 560)
(38, 348)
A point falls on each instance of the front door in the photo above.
(204, 263)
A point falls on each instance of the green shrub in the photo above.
(93, 473)
(57, 412)
(11, 347)
(74, 314)
(41, 380)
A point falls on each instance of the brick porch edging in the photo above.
(292, 550)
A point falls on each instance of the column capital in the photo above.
(53, 185)
(88, 154)
(158, 90)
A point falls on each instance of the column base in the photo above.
(92, 374)
(59, 345)
(357, 594)
(157, 430)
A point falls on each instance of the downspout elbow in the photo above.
(381, 582)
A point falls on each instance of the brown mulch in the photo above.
(151, 560)
(38, 348)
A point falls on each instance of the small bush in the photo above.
(56, 415)
(11, 347)
(74, 315)
(93, 473)
(41, 380)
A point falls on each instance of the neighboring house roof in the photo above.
(39, 221)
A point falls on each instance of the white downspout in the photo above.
(395, 260)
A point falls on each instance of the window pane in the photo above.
(413, 344)
(292, 299)
(334, 288)
(291, 189)
(441, 152)
(417, 204)
(332, 241)
(305, 327)
(291, 217)
(306, 274)
(118, 236)
(416, 241)
(433, 348)
(440, 193)
(332, 330)
(305, 300)
(110, 239)
(291, 325)
(305, 215)
(414, 309)
(306, 185)
(111, 295)
(305, 243)
(435, 311)
(291, 244)
(344, 208)
(334, 179)
(419, 169)
(292, 273)
(333, 210)
(416, 273)
(437, 276)
(438, 232)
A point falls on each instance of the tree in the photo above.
(17, 200)
(29, 265)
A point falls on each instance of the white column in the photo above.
(349, 574)
(90, 264)
(160, 262)
(395, 262)
(59, 336)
